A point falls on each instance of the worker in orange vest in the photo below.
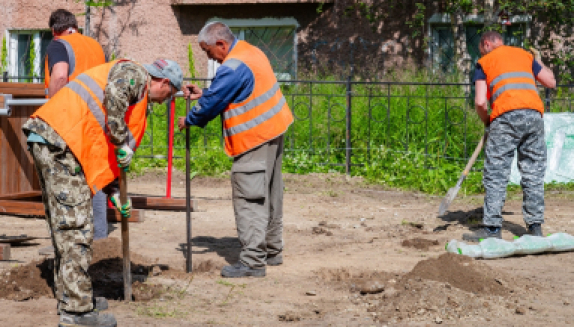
(68, 55)
(255, 115)
(79, 140)
(506, 77)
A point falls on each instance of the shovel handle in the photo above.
(125, 239)
(475, 155)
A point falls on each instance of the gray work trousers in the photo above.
(257, 186)
(100, 206)
(521, 131)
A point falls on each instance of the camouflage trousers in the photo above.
(521, 131)
(67, 202)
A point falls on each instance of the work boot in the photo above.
(275, 260)
(241, 270)
(87, 319)
(100, 304)
(483, 233)
(535, 230)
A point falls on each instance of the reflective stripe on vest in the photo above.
(255, 121)
(252, 104)
(512, 86)
(93, 106)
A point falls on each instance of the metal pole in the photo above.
(348, 128)
(187, 194)
(5, 77)
(547, 102)
(125, 239)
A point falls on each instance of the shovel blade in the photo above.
(450, 195)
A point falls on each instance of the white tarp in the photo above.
(559, 135)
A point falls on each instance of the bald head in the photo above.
(215, 31)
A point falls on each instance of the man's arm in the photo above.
(231, 85)
(126, 85)
(58, 78)
(480, 101)
(545, 76)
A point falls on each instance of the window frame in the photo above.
(442, 19)
(11, 35)
(258, 22)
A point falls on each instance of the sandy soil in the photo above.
(355, 255)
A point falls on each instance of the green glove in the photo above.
(125, 209)
(124, 156)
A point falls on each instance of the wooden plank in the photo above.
(114, 216)
(23, 196)
(23, 90)
(23, 208)
(4, 251)
(157, 203)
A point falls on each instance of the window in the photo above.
(442, 40)
(277, 38)
(23, 45)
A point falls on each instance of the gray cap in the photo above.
(164, 68)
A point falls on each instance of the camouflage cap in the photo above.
(164, 68)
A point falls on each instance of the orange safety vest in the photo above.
(264, 115)
(77, 114)
(510, 80)
(83, 54)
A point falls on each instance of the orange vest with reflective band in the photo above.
(510, 81)
(83, 54)
(77, 114)
(264, 115)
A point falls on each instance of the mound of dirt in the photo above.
(35, 279)
(460, 272)
(450, 287)
(419, 243)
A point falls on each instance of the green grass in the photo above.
(401, 134)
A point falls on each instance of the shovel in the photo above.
(451, 194)
(125, 238)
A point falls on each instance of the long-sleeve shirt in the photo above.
(233, 83)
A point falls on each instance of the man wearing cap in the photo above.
(85, 134)
(255, 116)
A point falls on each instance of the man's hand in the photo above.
(124, 157)
(125, 209)
(181, 123)
(536, 54)
(192, 92)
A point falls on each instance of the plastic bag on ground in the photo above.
(469, 250)
(496, 248)
(451, 246)
(561, 242)
(528, 244)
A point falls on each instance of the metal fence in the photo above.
(346, 123)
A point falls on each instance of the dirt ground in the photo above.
(355, 255)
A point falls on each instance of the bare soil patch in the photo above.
(419, 243)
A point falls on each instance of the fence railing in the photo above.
(345, 123)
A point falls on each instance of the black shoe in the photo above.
(483, 233)
(275, 260)
(86, 319)
(241, 270)
(535, 230)
(100, 304)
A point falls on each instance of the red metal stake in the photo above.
(170, 148)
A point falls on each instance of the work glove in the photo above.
(536, 53)
(124, 156)
(125, 209)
